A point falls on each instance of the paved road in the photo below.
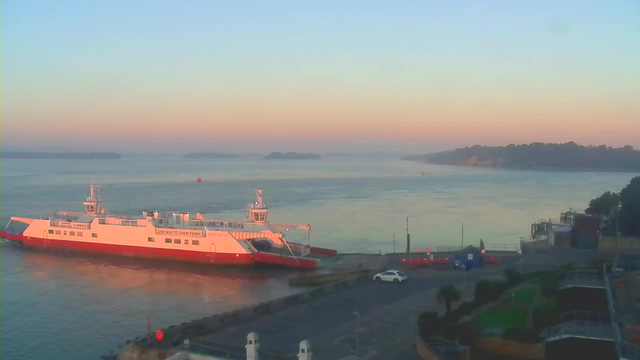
(387, 311)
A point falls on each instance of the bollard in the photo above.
(252, 346)
(305, 350)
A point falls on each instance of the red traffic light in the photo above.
(159, 334)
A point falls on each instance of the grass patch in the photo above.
(525, 295)
(501, 317)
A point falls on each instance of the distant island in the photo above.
(210, 156)
(291, 156)
(59, 155)
(569, 156)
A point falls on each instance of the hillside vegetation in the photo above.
(569, 156)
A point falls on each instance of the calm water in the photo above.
(57, 306)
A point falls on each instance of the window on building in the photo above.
(57, 232)
(150, 239)
(102, 221)
(72, 233)
(186, 242)
(95, 235)
(64, 233)
(79, 233)
(50, 231)
(168, 241)
(195, 242)
(176, 241)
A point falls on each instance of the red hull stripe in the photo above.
(156, 253)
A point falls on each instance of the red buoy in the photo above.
(199, 179)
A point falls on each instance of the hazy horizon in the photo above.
(405, 77)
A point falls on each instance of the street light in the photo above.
(357, 314)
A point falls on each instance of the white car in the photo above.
(395, 276)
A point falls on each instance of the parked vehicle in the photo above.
(395, 276)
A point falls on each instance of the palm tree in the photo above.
(447, 295)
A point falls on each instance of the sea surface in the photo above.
(58, 306)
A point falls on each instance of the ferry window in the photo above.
(79, 233)
(168, 241)
(186, 242)
(95, 235)
(176, 241)
(102, 221)
(150, 239)
(57, 232)
(65, 233)
(50, 231)
(195, 242)
(72, 233)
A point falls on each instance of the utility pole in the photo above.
(309, 236)
(394, 243)
(617, 236)
(462, 240)
(357, 314)
(408, 237)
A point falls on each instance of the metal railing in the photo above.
(588, 316)
(584, 329)
(501, 247)
(582, 277)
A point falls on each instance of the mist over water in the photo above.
(58, 306)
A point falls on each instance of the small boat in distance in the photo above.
(169, 235)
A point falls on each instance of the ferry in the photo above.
(170, 235)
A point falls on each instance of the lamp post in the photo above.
(357, 314)
(394, 243)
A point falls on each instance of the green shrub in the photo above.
(549, 284)
(467, 334)
(465, 308)
(533, 275)
(484, 292)
(464, 333)
(499, 287)
(429, 324)
(545, 305)
(513, 276)
(450, 332)
(522, 335)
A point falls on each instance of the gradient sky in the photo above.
(265, 76)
